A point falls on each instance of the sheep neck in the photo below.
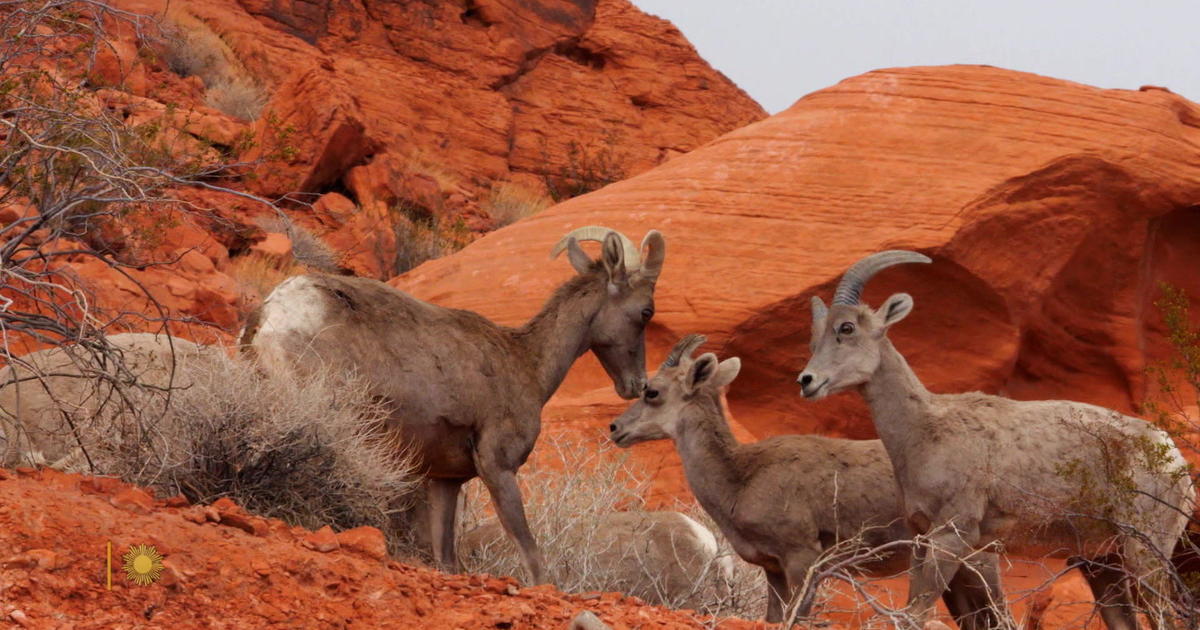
(897, 398)
(558, 335)
(708, 450)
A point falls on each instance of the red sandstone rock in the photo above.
(366, 540)
(1051, 209)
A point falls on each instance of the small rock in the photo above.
(367, 540)
(133, 500)
(512, 590)
(225, 504)
(43, 558)
(21, 618)
(244, 522)
(34, 558)
(170, 577)
(587, 620)
(196, 515)
(212, 514)
(322, 540)
(177, 501)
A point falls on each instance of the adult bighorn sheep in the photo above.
(1058, 477)
(467, 393)
(785, 500)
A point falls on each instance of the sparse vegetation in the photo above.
(420, 237)
(564, 500)
(510, 202)
(194, 49)
(589, 167)
(1173, 404)
(308, 451)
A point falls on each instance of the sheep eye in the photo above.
(647, 313)
(846, 328)
(650, 394)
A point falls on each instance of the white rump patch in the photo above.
(295, 306)
(702, 534)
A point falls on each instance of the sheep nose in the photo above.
(612, 428)
(805, 379)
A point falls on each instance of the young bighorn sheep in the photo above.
(468, 393)
(1043, 477)
(666, 558)
(784, 500)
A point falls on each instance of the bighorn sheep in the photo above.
(467, 392)
(47, 397)
(1044, 477)
(784, 500)
(666, 558)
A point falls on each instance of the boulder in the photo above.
(1052, 211)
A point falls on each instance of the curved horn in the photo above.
(684, 348)
(655, 255)
(849, 290)
(633, 260)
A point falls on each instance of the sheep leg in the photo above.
(935, 564)
(443, 510)
(798, 564)
(1111, 590)
(974, 596)
(777, 595)
(506, 496)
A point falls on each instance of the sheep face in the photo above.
(846, 343)
(617, 334)
(662, 407)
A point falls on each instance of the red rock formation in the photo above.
(1052, 210)
(479, 90)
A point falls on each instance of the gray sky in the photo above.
(780, 50)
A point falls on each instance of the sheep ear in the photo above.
(894, 309)
(727, 371)
(818, 311)
(702, 371)
(613, 258)
(579, 258)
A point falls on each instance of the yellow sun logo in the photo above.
(143, 564)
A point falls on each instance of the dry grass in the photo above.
(510, 202)
(256, 275)
(563, 503)
(194, 49)
(305, 450)
(419, 239)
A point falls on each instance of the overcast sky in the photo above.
(780, 50)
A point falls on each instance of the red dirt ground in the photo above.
(227, 569)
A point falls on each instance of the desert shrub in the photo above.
(307, 451)
(563, 502)
(194, 49)
(237, 96)
(420, 237)
(588, 167)
(256, 275)
(1172, 404)
(510, 202)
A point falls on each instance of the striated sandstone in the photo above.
(1052, 210)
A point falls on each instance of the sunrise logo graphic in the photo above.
(143, 564)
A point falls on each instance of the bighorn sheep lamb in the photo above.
(47, 397)
(1059, 478)
(666, 558)
(468, 393)
(784, 500)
